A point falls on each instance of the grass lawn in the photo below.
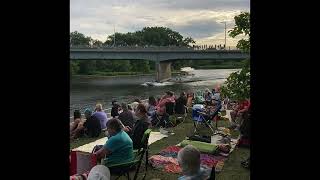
(232, 169)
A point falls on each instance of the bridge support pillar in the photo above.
(163, 71)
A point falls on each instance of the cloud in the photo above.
(200, 4)
(200, 19)
(200, 28)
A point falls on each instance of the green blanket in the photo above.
(201, 146)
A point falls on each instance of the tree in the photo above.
(150, 36)
(87, 66)
(237, 86)
(96, 43)
(79, 39)
(242, 27)
(187, 41)
(74, 67)
(121, 65)
(140, 66)
(103, 65)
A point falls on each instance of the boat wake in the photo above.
(157, 84)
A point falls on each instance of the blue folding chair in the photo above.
(200, 117)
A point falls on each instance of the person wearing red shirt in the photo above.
(242, 107)
(161, 107)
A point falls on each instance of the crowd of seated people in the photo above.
(126, 129)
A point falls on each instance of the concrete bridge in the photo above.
(161, 55)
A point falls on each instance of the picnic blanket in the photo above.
(166, 160)
(201, 146)
(154, 136)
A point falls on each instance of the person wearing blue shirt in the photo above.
(118, 148)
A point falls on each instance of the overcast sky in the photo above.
(200, 19)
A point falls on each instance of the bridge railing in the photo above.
(200, 48)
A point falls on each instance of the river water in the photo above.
(85, 92)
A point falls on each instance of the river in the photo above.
(86, 91)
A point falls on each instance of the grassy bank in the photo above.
(231, 170)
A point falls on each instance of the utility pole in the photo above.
(114, 39)
(225, 34)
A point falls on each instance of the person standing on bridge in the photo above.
(101, 115)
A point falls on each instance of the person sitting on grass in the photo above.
(101, 115)
(189, 161)
(115, 109)
(216, 98)
(118, 148)
(240, 109)
(152, 103)
(126, 117)
(141, 125)
(208, 97)
(76, 127)
(76, 120)
(181, 104)
(92, 124)
(166, 104)
(190, 97)
(167, 98)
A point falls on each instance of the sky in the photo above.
(203, 20)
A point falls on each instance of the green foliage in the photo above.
(74, 67)
(237, 86)
(242, 27)
(77, 39)
(87, 66)
(120, 65)
(150, 36)
(140, 66)
(181, 63)
(103, 65)
(96, 43)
